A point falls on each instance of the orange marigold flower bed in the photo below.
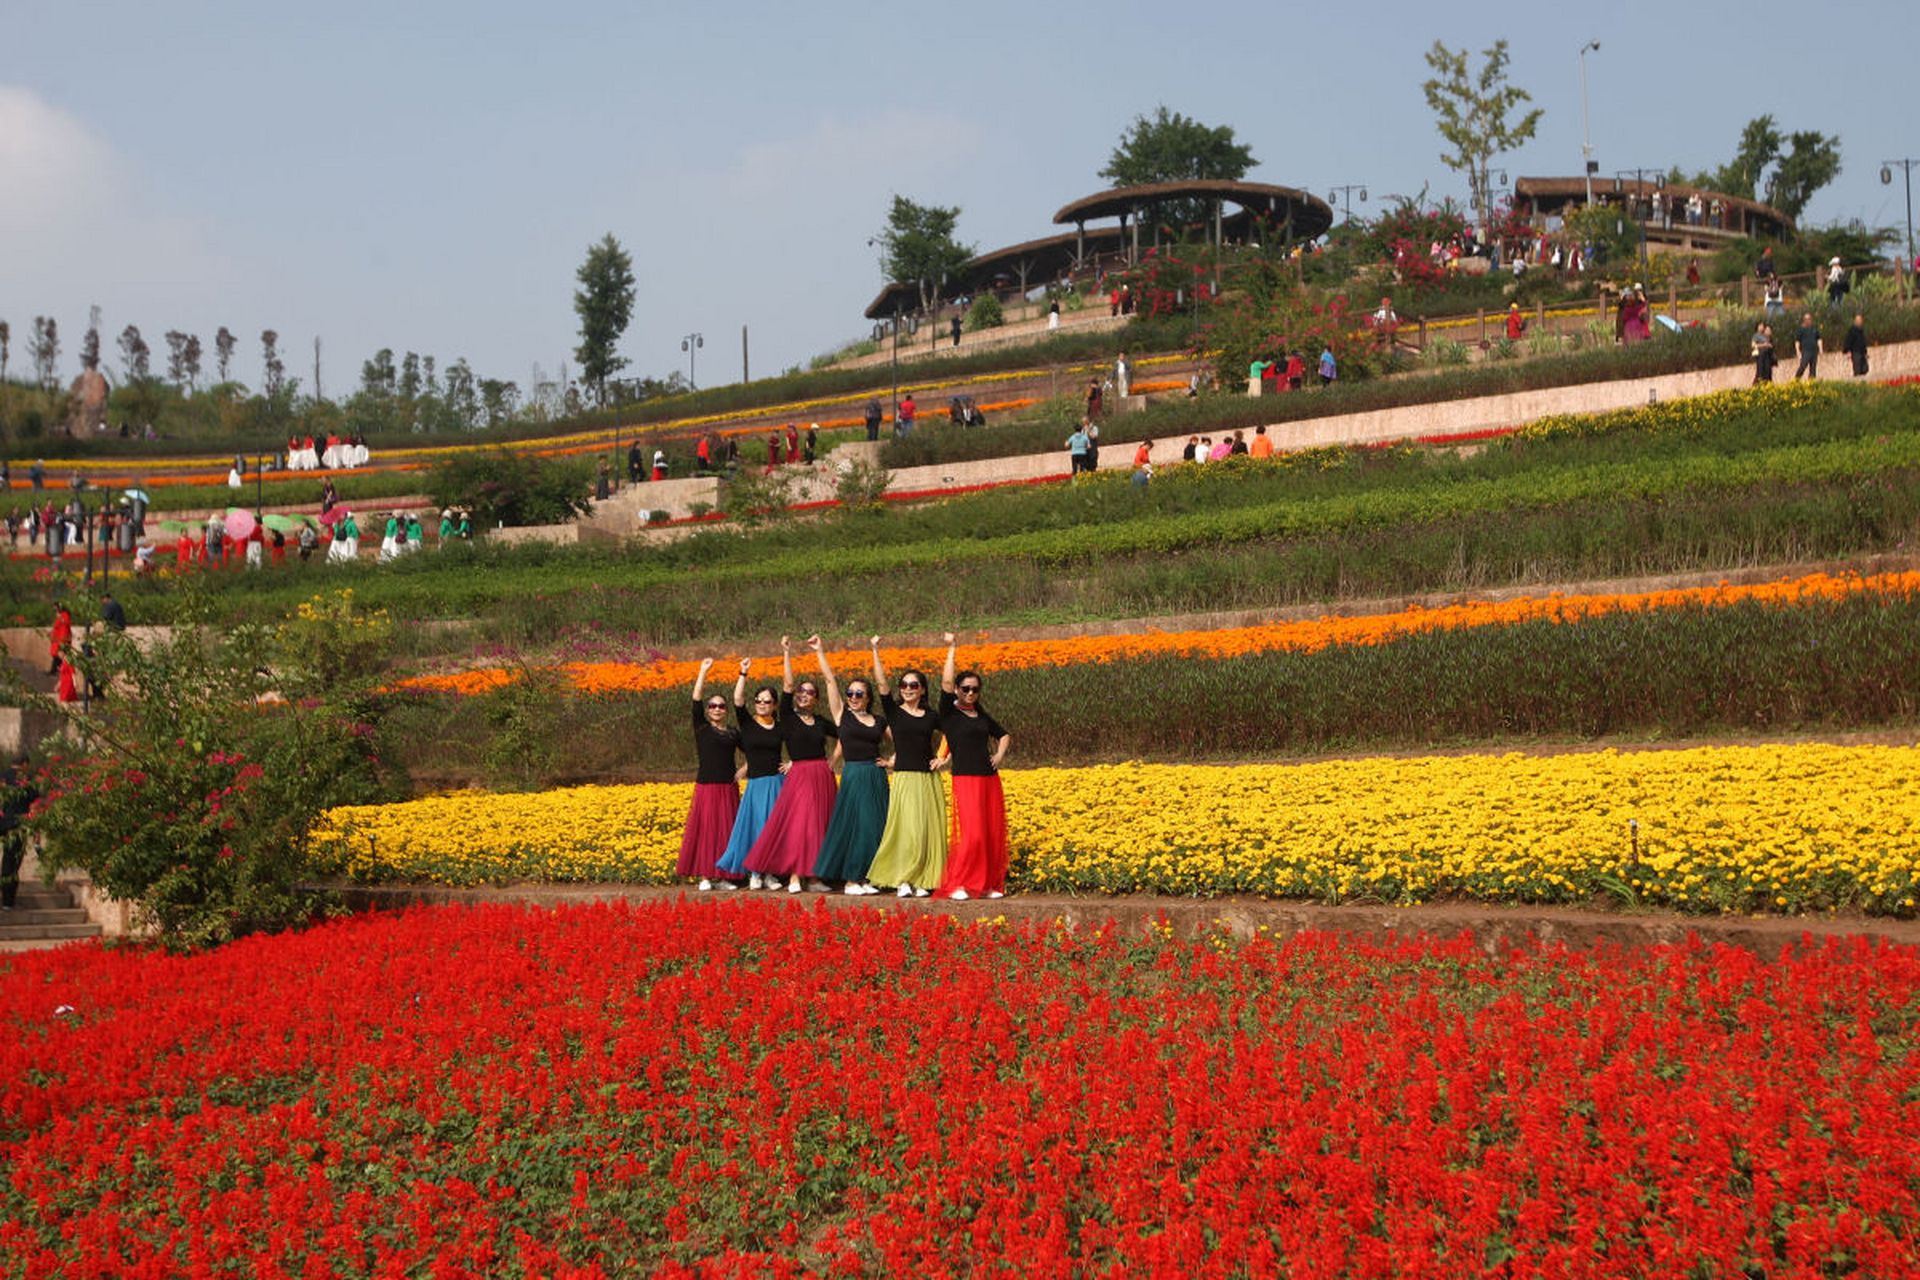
(1227, 642)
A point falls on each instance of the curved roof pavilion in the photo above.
(1722, 217)
(1290, 213)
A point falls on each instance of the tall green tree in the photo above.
(1471, 109)
(604, 303)
(918, 248)
(1170, 147)
(1784, 170)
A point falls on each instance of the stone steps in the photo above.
(43, 917)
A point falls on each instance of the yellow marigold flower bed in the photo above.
(1770, 828)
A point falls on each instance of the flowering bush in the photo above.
(741, 1089)
(197, 779)
(1776, 828)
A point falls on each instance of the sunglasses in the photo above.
(856, 693)
(808, 689)
(716, 706)
(759, 700)
(911, 684)
(969, 688)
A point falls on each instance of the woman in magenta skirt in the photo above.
(977, 856)
(716, 788)
(790, 841)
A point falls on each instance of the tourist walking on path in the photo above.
(716, 787)
(913, 847)
(1855, 345)
(977, 848)
(60, 637)
(1807, 340)
(790, 842)
(1077, 444)
(760, 742)
(860, 806)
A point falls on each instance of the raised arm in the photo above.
(786, 663)
(946, 672)
(740, 686)
(700, 679)
(826, 676)
(879, 669)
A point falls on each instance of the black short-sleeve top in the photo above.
(761, 744)
(714, 746)
(913, 736)
(970, 738)
(804, 741)
(860, 742)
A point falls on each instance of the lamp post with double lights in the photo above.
(1886, 179)
(1344, 193)
(1639, 177)
(691, 344)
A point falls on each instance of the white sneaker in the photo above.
(793, 885)
(996, 894)
(706, 885)
(921, 893)
(958, 895)
(853, 890)
(753, 881)
(819, 886)
(729, 886)
(904, 891)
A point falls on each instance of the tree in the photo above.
(1810, 160)
(176, 358)
(223, 345)
(1471, 109)
(604, 303)
(6, 347)
(190, 360)
(1173, 148)
(377, 376)
(196, 795)
(462, 406)
(918, 248)
(134, 354)
(45, 352)
(273, 369)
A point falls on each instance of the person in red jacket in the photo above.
(61, 637)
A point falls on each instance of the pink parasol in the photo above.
(239, 523)
(334, 516)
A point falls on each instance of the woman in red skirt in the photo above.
(977, 853)
(716, 788)
(790, 842)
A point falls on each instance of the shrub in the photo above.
(985, 313)
(502, 486)
(197, 780)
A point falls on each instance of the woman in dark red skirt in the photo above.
(716, 789)
(977, 854)
(790, 841)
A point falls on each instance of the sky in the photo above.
(428, 176)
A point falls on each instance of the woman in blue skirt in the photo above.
(860, 807)
(760, 740)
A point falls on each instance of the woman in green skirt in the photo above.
(860, 806)
(913, 848)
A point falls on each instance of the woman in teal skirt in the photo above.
(860, 806)
(913, 847)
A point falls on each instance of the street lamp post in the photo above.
(691, 344)
(1886, 177)
(1586, 136)
(1345, 193)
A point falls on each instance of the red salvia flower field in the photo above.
(739, 1088)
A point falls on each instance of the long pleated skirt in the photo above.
(913, 847)
(709, 824)
(790, 842)
(978, 858)
(756, 806)
(859, 818)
